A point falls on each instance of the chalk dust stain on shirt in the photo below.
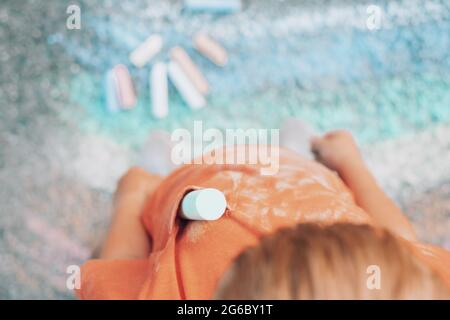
(195, 230)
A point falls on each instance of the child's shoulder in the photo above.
(438, 258)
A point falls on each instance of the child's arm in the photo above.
(127, 237)
(338, 151)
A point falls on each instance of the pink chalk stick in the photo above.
(126, 90)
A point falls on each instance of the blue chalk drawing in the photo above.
(378, 84)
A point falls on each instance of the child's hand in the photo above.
(337, 150)
(136, 182)
(127, 237)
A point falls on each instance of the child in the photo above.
(341, 261)
(150, 253)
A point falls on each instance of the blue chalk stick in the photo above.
(213, 6)
(112, 101)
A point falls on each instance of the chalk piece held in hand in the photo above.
(210, 49)
(204, 204)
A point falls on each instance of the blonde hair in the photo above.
(334, 262)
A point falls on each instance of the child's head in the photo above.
(342, 261)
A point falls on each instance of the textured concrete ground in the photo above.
(61, 152)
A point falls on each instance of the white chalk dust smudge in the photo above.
(196, 229)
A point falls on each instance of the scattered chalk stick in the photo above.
(213, 6)
(185, 87)
(125, 87)
(204, 204)
(159, 90)
(146, 50)
(210, 49)
(112, 90)
(190, 69)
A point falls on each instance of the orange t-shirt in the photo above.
(189, 257)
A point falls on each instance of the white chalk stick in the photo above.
(159, 90)
(210, 49)
(190, 69)
(146, 50)
(214, 6)
(185, 87)
(204, 204)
